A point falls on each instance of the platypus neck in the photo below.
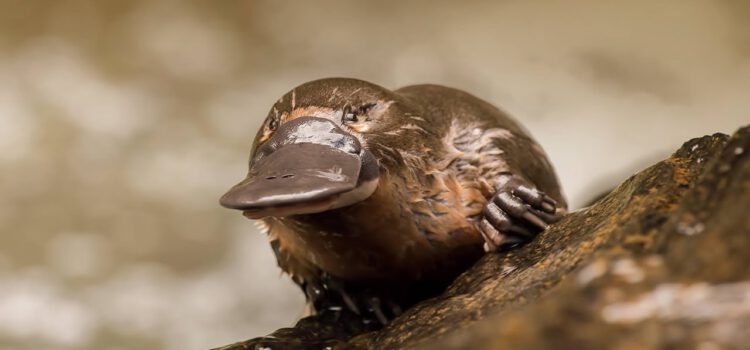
(386, 209)
(388, 236)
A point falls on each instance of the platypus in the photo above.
(374, 199)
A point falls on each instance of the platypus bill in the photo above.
(375, 199)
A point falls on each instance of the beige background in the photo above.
(122, 122)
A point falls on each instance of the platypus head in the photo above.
(314, 151)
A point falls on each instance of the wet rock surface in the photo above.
(662, 261)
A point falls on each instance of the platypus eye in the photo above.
(349, 117)
(273, 124)
(356, 115)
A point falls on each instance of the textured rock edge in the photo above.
(663, 260)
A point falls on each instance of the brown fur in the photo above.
(440, 152)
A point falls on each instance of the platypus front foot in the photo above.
(516, 213)
(331, 294)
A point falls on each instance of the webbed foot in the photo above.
(332, 294)
(516, 213)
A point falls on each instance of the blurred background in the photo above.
(122, 122)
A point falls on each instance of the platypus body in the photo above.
(377, 197)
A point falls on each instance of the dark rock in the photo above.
(661, 262)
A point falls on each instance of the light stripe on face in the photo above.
(310, 111)
(320, 112)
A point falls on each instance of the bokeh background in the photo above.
(122, 122)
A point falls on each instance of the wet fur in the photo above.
(441, 152)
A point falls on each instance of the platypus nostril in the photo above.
(287, 176)
(270, 177)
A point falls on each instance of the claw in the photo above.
(522, 232)
(487, 248)
(334, 295)
(529, 195)
(375, 308)
(510, 204)
(516, 213)
(334, 285)
(535, 198)
(496, 217)
(535, 220)
(494, 239)
(548, 218)
(491, 235)
(395, 308)
(548, 208)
